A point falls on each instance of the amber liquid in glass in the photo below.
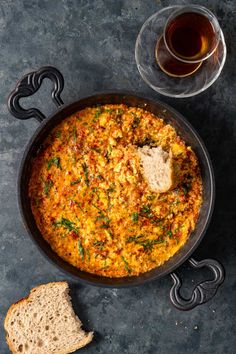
(190, 36)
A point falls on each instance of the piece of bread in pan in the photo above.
(158, 168)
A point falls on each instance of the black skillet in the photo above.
(30, 84)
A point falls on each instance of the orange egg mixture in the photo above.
(92, 203)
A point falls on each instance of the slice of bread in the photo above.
(45, 322)
(157, 167)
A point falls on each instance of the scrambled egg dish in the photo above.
(91, 202)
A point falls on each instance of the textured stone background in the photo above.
(92, 43)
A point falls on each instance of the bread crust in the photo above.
(85, 341)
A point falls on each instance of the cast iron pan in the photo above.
(30, 84)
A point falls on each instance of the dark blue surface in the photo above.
(92, 43)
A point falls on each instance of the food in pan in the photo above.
(93, 202)
(45, 322)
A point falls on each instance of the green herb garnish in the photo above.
(79, 205)
(135, 217)
(151, 197)
(76, 181)
(186, 188)
(100, 178)
(99, 244)
(111, 188)
(67, 224)
(108, 153)
(155, 221)
(96, 149)
(97, 114)
(170, 234)
(146, 211)
(110, 233)
(136, 121)
(100, 211)
(58, 134)
(109, 110)
(127, 268)
(74, 133)
(85, 169)
(106, 223)
(105, 265)
(54, 161)
(146, 141)
(101, 214)
(147, 244)
(120, 111)
(36, 201)
(118, 115)
(135, 238)
(47, 186)
(102, 217)
(81, 249)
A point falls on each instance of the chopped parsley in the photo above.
(76, 181)
(111, 188)
(136, 121)
(36, 201)
(105, 220)
(85, 169)
(147, 244)
(118, 115)
(67, 224)
(109, 110)
(134, 238)
(105, 265)
(108, 153)
(97, 114)
(135, 217)
(119, 111)
(54, 161)
(106, 223)
(127, 268)
(58, 134)
(151, 197)
(81, 249)
(146, 211)
(100, 177)
(96, 149)
(146, 141)
(74, 133)
(47, 186)
(186, 188)
(99, 244)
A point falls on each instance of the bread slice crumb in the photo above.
(45, 322)
(157, 168)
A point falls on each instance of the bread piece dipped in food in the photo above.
(157, 168)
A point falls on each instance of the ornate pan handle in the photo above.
(203, 292)
(28, 85)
